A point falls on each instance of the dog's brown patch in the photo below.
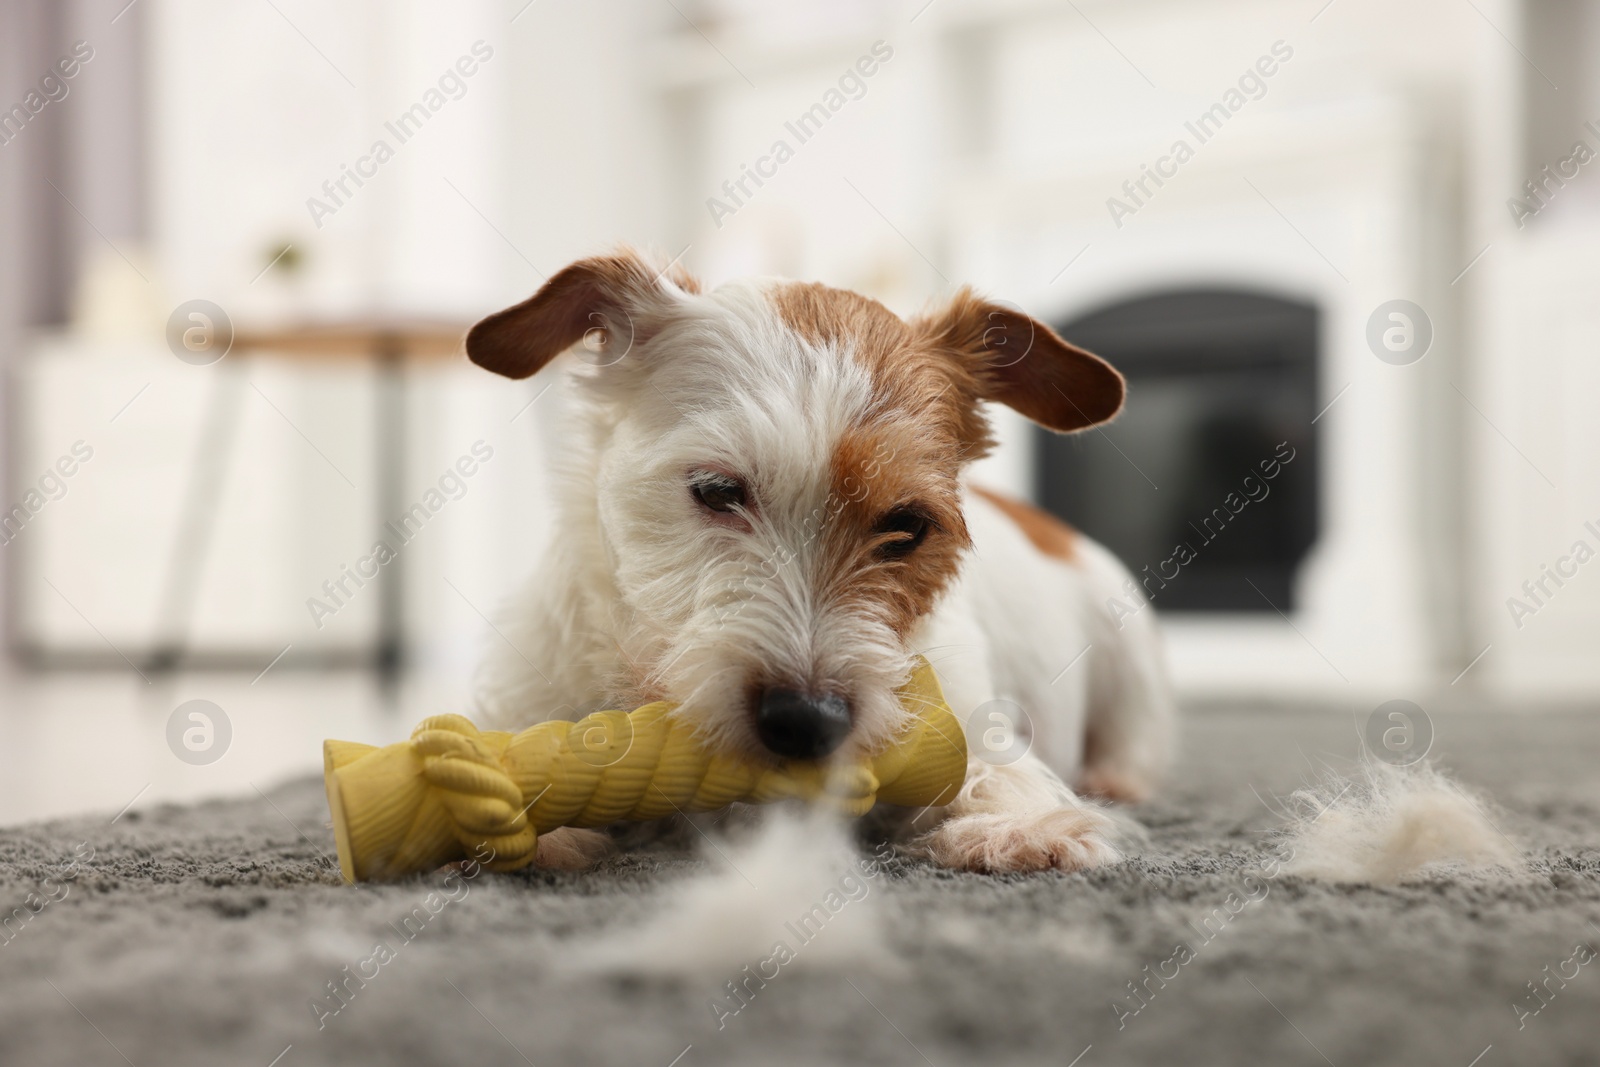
(838, 317)
(927, 423)
(1049, 534)
(877, 468)
(911, 374)
(922, 428)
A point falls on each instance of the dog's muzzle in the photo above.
(801, 726)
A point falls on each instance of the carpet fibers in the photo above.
(207, 935)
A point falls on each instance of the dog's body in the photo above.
(762, 516)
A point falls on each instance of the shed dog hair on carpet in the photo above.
(793, 890)
(1389, 824)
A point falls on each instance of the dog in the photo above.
(762, 515)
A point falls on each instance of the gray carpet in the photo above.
(200, 935)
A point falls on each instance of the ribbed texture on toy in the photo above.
(454, 792)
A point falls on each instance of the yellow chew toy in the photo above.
(453, 792)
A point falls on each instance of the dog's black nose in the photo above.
(800, 726)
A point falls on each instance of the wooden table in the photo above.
(389, 345)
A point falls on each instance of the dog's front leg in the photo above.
(1019, 817)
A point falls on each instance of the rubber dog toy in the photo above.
(453, 791)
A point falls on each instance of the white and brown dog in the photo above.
(763, 517)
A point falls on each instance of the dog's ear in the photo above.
(610, 303)
(1023, 364)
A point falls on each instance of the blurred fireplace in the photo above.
(1222, 391)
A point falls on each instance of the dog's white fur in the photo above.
(636, 599)
(1014, 624)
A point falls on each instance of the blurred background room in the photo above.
(243, 239)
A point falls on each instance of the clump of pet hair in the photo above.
(796, 878)
(1386, 824)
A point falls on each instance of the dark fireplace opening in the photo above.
(1206, 485)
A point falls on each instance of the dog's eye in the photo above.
(718, 492)
(906, 529)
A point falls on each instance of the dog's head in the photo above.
(777, 479)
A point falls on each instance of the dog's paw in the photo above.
(1062, 839)
(569, 849)
(1110, 783)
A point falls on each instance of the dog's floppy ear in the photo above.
(609, 302)
(1023, 364)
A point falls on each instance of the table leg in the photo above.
(197, 519)
(392, 439)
